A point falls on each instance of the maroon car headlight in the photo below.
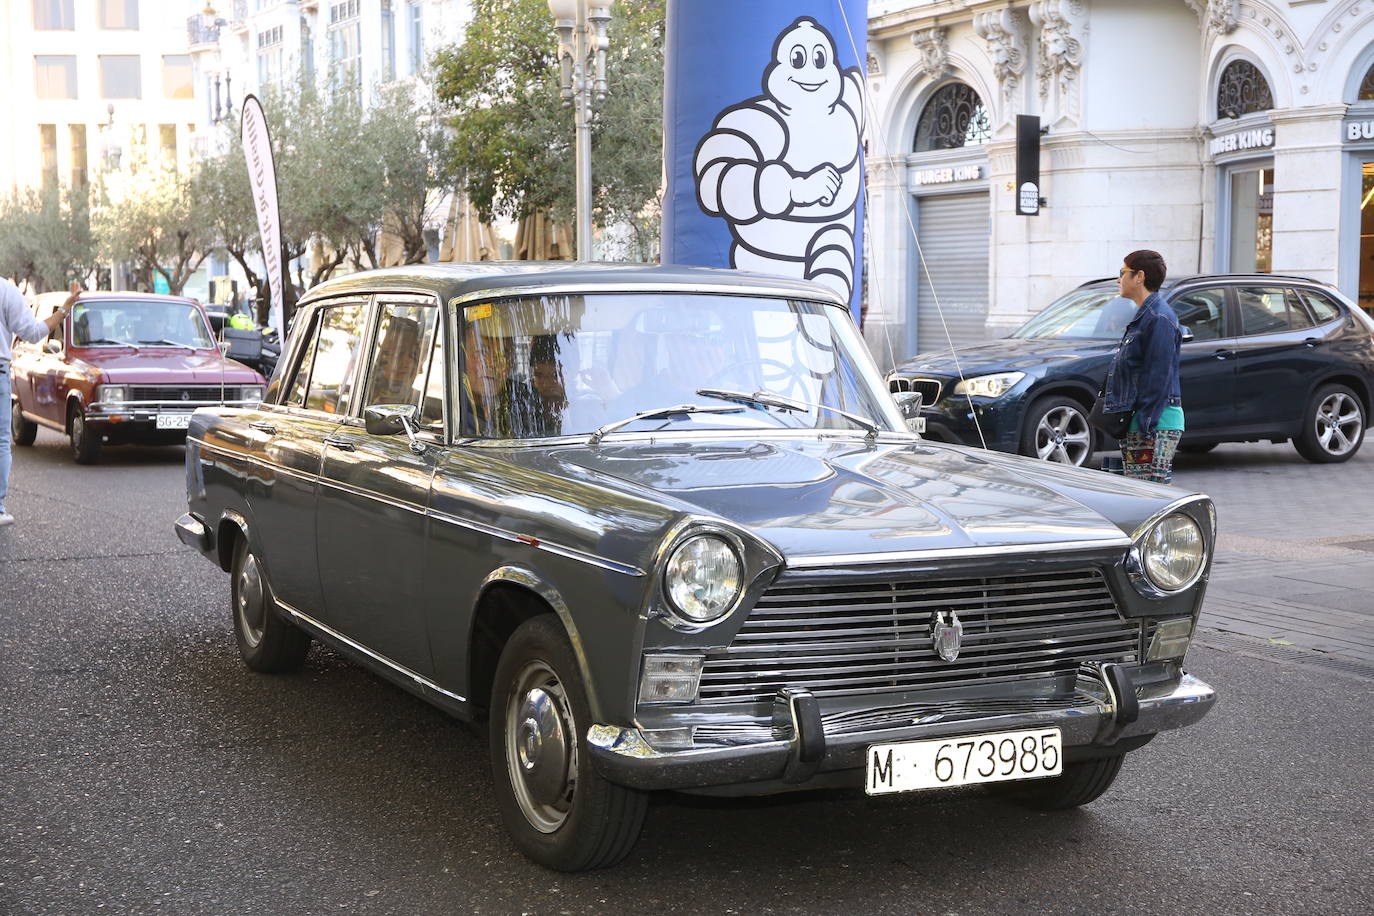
(703, 579)
(111, 394)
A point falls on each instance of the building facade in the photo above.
(88, 84)
(1230, 135)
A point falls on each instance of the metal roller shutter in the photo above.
(954, 232)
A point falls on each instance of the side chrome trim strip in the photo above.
(372, 495)
(354, 644)
(953, 553)
(252, 459)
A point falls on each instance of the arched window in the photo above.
(953, 117)
(1243, 89)
(1367, 86)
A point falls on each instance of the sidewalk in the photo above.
(1294, 571)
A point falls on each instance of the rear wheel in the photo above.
(22, 431)
(267, 642)
(557, 809)
(1080, 783)
(1333, 427)
(1056, 429)
(85, 441)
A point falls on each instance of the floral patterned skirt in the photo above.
(1150, 457)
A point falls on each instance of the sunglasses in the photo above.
(1126, 270)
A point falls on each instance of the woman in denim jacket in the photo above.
(1144, 373)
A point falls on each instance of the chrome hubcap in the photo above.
(541, 748)
(1339, 423)
(250, 605)
(1063, 436)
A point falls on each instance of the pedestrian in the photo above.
(16, 321)
(1143, 377)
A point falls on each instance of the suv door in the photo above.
(292, 435)
(374, 491)
(1206, 364)
(1277, 356)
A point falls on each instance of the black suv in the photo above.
(1264, 357)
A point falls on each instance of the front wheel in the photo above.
(558, 810)
(23, 431)
(1333, 426)
(85, 441)
(1078, 784)
(1056, 429)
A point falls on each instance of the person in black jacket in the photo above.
(1143, 377)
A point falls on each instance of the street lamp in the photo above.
(582, 47)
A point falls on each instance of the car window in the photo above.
(1320, 305)
(405, 337)
(1098, 313)
(295, 395)
(336, 353)
(432, 407)
(1202, 311)
(1269, 309)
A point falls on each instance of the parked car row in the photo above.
(665, 528)
(123, 368)
(1264, 357)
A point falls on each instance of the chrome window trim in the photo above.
(886, 437)
(820, 294)
(375, 656)
(953, 553)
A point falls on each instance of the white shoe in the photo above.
(6, 519)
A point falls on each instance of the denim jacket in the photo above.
(1144, 373)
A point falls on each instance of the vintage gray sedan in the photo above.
(666, 529)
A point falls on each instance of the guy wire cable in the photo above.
(911, 226)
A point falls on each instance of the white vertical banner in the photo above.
(262, 178)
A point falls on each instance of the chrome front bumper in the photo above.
(624, 756)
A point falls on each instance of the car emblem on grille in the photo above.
(946, 635)
(186, 395)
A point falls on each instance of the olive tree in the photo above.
(151, 217)
(45, 236)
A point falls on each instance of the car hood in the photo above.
(166, 366)
(1006, 355)
(826, 497)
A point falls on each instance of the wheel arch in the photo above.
(74, 402)
(507, 597)
(231, 526)
(1350, 380)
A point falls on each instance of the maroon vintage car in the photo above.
(124, 367)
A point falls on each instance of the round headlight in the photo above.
(703, 578)
(1173, 552)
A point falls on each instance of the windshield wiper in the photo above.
(768, 399)
(656, 414)
(163, 342)
(107, 342)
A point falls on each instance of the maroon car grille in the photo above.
(847, 640)
(183, 393)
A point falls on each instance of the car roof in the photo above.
(1190, 279)
(451, 280)
(116, 295)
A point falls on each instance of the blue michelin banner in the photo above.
(764, 119)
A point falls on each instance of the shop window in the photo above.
(1252, 220)
(1367, 86)
(1242, 90)
(1367, 239)
(953, 118)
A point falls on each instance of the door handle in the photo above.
(263, 426)
(1224, 354)
(342, 445)
(1313, 342)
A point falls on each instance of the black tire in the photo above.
(85, 441)
(267, 641)
(1197, 448)
(1056, 428)
(24, 432)
(1079, 784)
(1332, 427)
(557, 809)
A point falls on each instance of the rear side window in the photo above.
(1270, 310)
(336, 353)
(1321, 306)
(1202, 311)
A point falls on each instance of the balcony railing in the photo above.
(198, 33)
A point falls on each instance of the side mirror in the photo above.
(224, 348)
(52, 346)
(909, 405)
(1187, 332)
(393, 420)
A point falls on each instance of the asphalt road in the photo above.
(144, 769)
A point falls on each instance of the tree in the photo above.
(513, 137)
(220, 185)
(45, 237)
(411, 143)
(153, 219)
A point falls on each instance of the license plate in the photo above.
(962, 761)
(173, 420)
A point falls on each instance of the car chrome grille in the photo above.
(928, 388)
(176, 392)
(848, 640)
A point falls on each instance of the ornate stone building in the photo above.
(1231, 135)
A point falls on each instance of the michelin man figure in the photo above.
(783, 168)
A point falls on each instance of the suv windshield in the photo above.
(570, 365)
(1086, 314)
(114, 322)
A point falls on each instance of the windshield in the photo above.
(1086, 314)
(112, 322)
(569, 365)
